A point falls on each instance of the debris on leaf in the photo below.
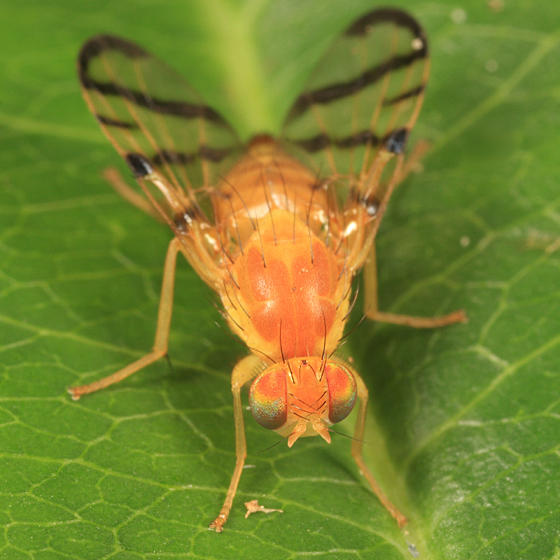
(254, 507)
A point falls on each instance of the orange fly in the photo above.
(279, 227)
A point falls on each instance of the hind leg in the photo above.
(371, 309)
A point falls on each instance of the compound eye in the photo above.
(268, 398)
(342, 392)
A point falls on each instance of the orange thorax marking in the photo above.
(288, 283)
(284, 293)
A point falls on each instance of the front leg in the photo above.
(244, 371)
(357, 449)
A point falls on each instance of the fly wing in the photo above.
(362, 99)
(174, 144)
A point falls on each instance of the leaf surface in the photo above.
(463, 429)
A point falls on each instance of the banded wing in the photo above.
(360, 104)
(159, 125)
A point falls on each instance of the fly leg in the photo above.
(245, 370)
(162, 331)
(371, 304)
(371, 309)
(374, 196)
(357, 450)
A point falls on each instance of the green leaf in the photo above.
(463, 428)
